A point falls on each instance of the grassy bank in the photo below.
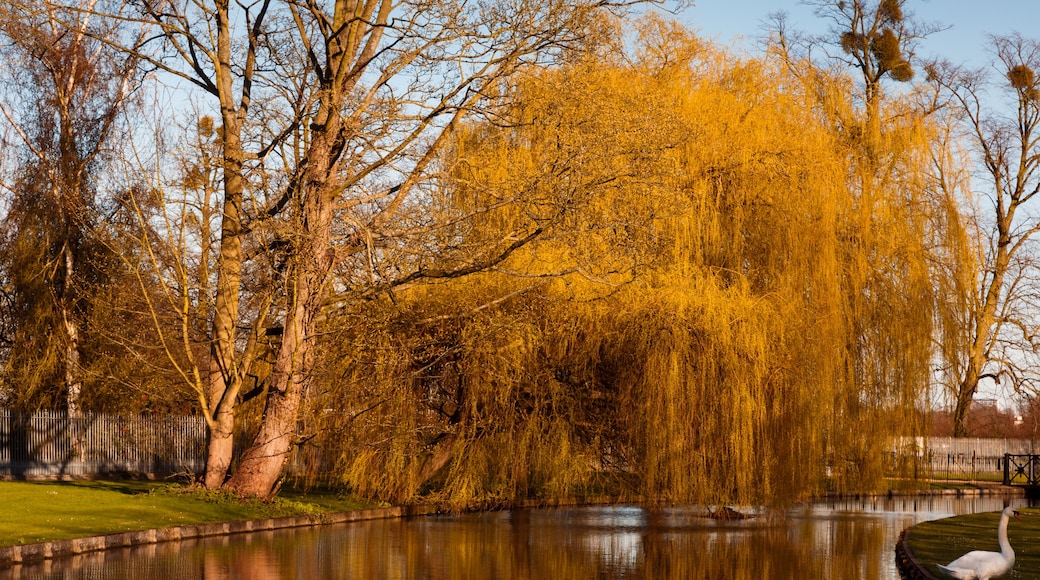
(42, 511)
(941, 541)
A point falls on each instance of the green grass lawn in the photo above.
(40, 511)
(941, 541)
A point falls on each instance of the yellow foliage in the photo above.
(730, 302)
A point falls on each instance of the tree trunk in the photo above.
(442, 453)
(963, 405)
(219, 448)
(262, 463)
(220, 441)
(224, 378)
(985, 322)
(72, 358)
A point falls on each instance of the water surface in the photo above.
(841, 540)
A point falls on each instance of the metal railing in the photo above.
(1022, 469)
(963, 458)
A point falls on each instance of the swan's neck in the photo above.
(1005, 545)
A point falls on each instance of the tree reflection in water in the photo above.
(846, 541)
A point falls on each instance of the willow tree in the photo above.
(329, 117)
(62, 98)
(993, 308)
(847, 310)
(680, 335)
(886, 226)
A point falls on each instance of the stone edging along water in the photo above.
(27, 553)
(909, 567)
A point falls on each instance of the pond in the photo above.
(839, 540)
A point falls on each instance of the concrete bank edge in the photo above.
(28, 553)
(909, 567)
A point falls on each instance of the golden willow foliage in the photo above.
(685, 330)
(890, 232)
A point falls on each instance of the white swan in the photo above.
(980, 565)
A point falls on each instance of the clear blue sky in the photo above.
(740, 22)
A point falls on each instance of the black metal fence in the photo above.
(962, 458)
(1023, 469)
(50, 444)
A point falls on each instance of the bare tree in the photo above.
(330, 118)
(62, 105)
(1005, 136)
(877, 40)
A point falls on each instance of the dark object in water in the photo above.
(726, 513)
